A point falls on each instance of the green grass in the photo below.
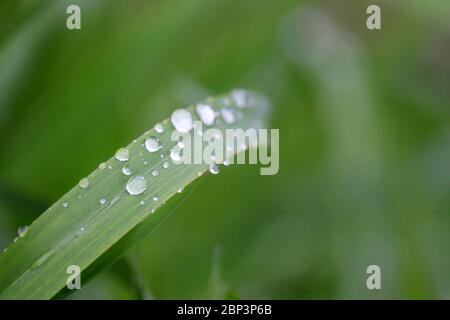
(92, 225)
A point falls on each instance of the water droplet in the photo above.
(240, 97)
(102, 166)
(142, 202)
(165, 164)
(65, 204)
(126, 170)
(206, 113)
(152, 144)
(175, 155)
(226, 163)
(145, 163)
(159, 128)
(136, 185)
(109, 167)
(102, 201)
(153, 210)
(122, 154)
(214, 168)
(22, 231)
(82, 229)
(180, 190)
(228, 115)
(155, 198)
(182, 120)
(155, 173)
(84, 183)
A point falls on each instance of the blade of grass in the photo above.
(79, 229)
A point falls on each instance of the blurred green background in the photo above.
(364, 139)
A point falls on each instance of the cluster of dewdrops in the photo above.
(183, 122)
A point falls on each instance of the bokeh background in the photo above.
(364, 139)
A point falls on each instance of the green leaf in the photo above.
(79, 230)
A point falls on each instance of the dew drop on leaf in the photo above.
(126, 170)
(206, 113)
(214, 169)
(159, 128)
(136, 185)
(84, 183)
(152, 144)
(182, 120)
(22, 231)
(122, 154)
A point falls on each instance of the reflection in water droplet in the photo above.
(136, 185)
(122, 154)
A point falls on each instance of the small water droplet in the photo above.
(122, 154)
(159, 128)
(180, 190)
(240, 97)
(142, 202)
(175, 155)
(102, 201)
(155, 173)
(145, 163)
(126, 170)
(65, 204)
(153, 210)
(226, 163)
(84, 183)
(136, 185)
(228, 115)
(22, 231)
(155, 198)
(214, 168)
(206, 113)
(153, 144)
(102, 166)
(182, 120)
(165, 164)
(109, 167)
(82, 229)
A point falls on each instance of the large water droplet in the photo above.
(228, 115)
(22, 231)
(122, 154)
(182, 120)
(84, 183)
(126, 170)
(214, 168)
(159, 128)
(136, 185)
(206, 113)
(152, 144)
